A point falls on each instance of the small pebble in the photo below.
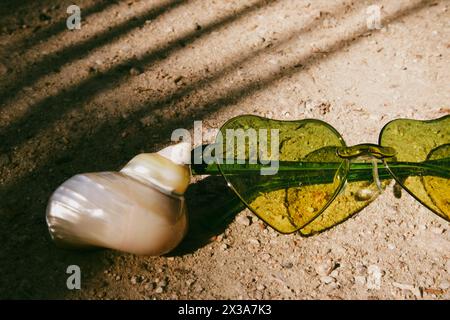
(265, 256)
(437, 230)
(159, 290)
(163, 283)
(444, 285)
(361, 269)
(327, 279)
(135, 71)
(334, 285)
(260, 287)
(189, 282)
(325, 268)
(178, 79)
(199, 289)
(149, 286)
(243, 220)
(360, 280)
(414, 290)
(334, 273)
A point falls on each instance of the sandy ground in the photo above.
(91, 99)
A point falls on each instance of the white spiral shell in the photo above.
(140, 209)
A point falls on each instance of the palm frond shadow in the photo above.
(58, 59)
(34, 119)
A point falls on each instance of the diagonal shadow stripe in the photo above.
(58, 27)
(57, 59)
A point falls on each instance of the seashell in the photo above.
(139, 210)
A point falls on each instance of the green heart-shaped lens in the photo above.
(288, 170)
(416, 142)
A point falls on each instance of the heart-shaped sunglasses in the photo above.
(301, 176)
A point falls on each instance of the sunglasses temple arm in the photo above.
(360, 171)
(385, 170)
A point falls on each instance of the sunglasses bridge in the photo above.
(366, 149)
(369, 151)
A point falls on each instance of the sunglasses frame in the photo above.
(347, 153)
